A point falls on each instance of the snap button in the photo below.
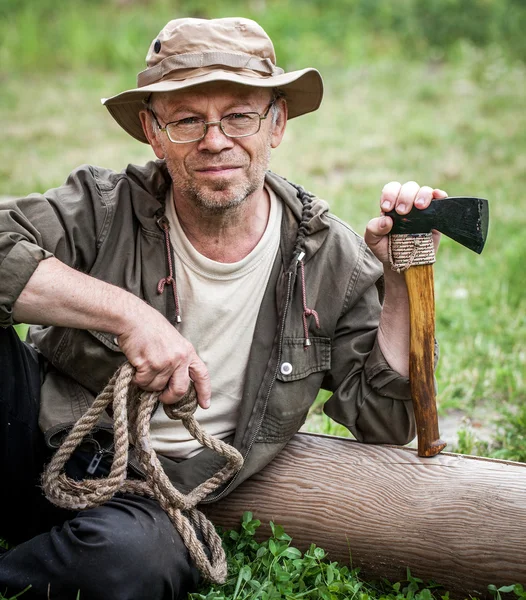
(286, 368)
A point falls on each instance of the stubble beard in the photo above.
(213, 200)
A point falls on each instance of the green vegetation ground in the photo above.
(274, 569)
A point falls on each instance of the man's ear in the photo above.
(147, 127)
(278, 128)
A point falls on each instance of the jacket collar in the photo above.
(308, 222)
(154, 179)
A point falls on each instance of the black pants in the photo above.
(126, 549)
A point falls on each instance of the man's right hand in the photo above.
(163, 359)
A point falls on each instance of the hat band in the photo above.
(206, 59)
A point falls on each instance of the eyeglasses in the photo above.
(192, 129)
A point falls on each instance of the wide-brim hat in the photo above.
(190, 52)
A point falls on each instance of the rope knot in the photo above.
(170, 279)
(164, 282)
(310, 312)
(186, 406)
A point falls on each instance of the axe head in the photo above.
(463, 219)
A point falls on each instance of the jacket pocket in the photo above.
(297, 361)
(299, 375)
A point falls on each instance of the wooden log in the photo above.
(457, 520)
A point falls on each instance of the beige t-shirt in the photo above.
(219, 307)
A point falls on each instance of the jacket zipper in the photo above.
(97, 457)
(274, 377)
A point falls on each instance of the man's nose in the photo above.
(215, 140)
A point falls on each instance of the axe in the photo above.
(464, 220)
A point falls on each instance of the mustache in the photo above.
(217, 161)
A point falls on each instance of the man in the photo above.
(199, 266)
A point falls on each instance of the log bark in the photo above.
(457, 520)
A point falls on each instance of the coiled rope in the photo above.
(410, 249)
(132, 409)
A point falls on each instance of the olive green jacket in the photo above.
(106, 224)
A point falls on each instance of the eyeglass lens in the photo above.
(235, 125)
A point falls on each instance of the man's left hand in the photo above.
(401, 198)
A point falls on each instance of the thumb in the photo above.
(377, 229)
(201, 378)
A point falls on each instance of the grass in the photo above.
(19, 595)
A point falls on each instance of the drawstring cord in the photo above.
(170, 280)
(306, 200)
(307, 312)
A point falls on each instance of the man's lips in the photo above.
(217, 169)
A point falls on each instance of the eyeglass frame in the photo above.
(207, 124)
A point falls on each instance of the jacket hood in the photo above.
(310, 213)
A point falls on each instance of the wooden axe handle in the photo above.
(420, 288)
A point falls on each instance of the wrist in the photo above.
(128, 310)
(394, 282)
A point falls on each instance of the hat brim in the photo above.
(303, 90)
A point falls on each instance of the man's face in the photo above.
(217, 172)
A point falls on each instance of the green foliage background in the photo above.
(54, 34)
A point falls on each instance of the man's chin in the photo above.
(219, 199)
(221, 196)
(220, 186)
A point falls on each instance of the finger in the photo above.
(439, 193)
(389, 195)
(151, 378)
(176, 387)
(406, 197)
(201, 379)
(424, 197)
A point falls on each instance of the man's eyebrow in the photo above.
(244, 105)
(184, 108)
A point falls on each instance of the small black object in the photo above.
(157, 46)
(463, 219)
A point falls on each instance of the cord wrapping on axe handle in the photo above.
(410, 249)
(132, 409)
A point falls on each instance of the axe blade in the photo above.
(463, 219)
